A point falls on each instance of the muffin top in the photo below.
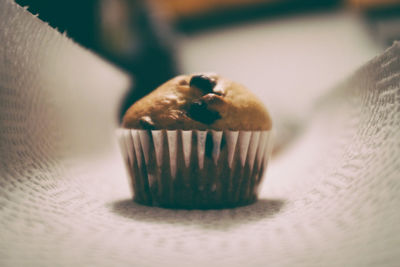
(198, 102)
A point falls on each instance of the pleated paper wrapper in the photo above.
(195, 169)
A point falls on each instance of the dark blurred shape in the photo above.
(126, 32)
(383, 19)
(140, 41)
(385, 25)
(78, 18)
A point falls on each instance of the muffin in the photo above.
(196, 142)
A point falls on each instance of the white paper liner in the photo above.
(195, 169)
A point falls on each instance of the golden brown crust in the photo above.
(169, 107)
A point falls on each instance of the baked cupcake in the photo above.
(196, 142)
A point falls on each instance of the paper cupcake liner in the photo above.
(195, 169)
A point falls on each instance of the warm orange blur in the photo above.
(184, 8)
(373, 3)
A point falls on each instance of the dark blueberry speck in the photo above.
(198, 111)
(147, 123)
(203, 82)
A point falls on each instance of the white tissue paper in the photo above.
(331, 199)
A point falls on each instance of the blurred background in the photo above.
(290, 48)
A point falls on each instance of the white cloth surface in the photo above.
(331, 199)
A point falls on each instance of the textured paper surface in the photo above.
(332, 199)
